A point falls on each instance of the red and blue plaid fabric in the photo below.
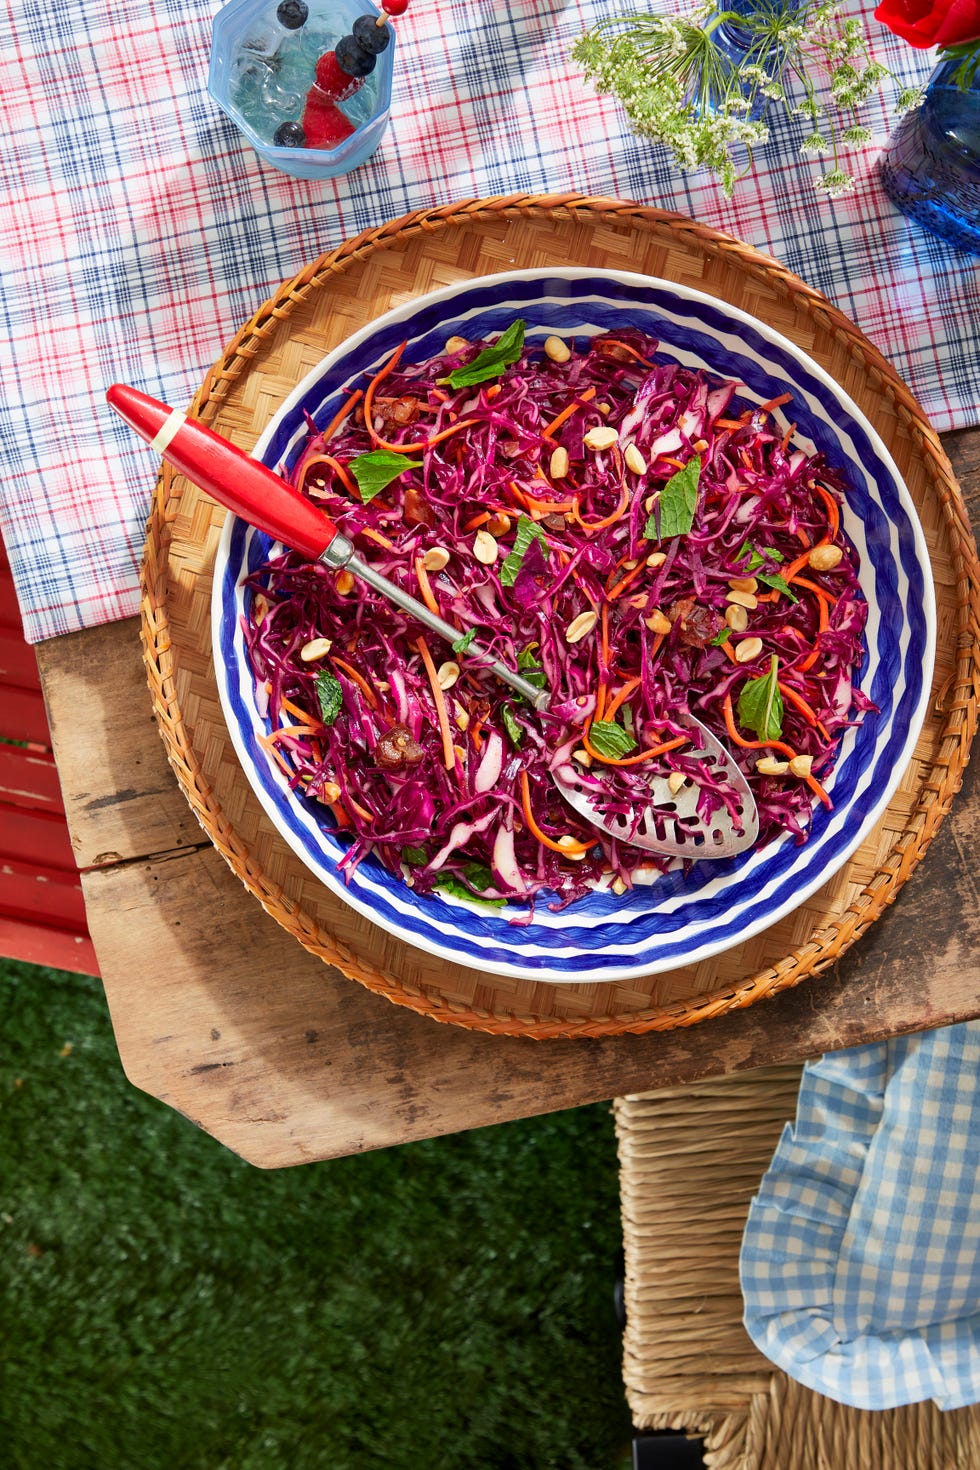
(138, 232)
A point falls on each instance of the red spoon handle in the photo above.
(227, 473)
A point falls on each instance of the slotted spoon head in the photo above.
(669, 824)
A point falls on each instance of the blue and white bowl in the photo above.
(678, 919)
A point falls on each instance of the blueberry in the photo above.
(370, 36)
(289, 135)
(292, 14)
(352, 58)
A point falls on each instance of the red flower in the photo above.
(926, 23)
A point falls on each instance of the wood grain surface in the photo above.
(224, 1017)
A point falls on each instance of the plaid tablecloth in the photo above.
(138, 232)
(861, 1256)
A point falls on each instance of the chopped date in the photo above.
(416, 509)
(396, 748)
(696, 625)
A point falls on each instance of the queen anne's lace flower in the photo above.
(679, 89)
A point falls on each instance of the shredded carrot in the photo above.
(772, 403)
(732, 729)
(492, 391)
(549, 506)
(600, 702)
(604, 618)
(827, 598)
(448, 754)
(633, 760)
(425, 587)
(567, 412)
(620, 696)
(362, 812)
(833, 511)
(439, 395)
(357, 679)
(767, 596)
(293, 709)
(570, 849)
(281, 762)
(808, 713)
(338, 469)
(787, 437)
(615, 342)
(340, 415)
(795, 567)
(729, 424)
(678, 464)
(802, 536)
(377, 536)
(818, 790)
(476, 521)
(418, 447)
(518, 494)
(270, 739)
(340, 815)
(624, 582)
(371, 389)
(624, 500)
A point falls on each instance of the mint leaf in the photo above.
(510, 725)
(773, 579)
(721, 637)
(491, 362)
(759, 558)
(760, 705)
(449, 884)
(478, 875)
(674, 512)
(415, 857)
(330, 695)
(376, 469)
(462, 644)
(610, 739)
(527, 531)
(528, 665)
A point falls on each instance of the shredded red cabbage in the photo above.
(566, 550)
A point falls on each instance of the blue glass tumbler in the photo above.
(931, 166)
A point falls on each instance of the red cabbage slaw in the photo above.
(618, 528)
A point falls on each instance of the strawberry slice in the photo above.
(333, 80)
(323, 122)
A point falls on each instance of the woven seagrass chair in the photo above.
(691, 1159)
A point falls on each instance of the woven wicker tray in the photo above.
(319, 308)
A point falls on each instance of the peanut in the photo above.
(634, 460)
(675, 781)
(743, 584)
(447, 674)
(743, 599)
(346, 582)
(435, 559)
(601, 437)
(801, 765)
(580, 626)
(656, 558)
(658, 622)
(747, 650)
(736, 617)
(556, 349)
(456, 344)
(825, 558)
(559, 463)
(315, 649)
(769, 766)
(498, 524)
(485, 548)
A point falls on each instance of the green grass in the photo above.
(446, 1305)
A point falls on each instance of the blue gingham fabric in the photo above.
(138, 232)
(860, 1261)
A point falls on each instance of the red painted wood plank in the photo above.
(38, 944)
(29, 778)
(18, 661)
(35, 837)
(41, 895)
(23, 717)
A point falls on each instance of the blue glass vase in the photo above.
(931, 166)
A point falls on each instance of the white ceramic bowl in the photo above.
(678, 919)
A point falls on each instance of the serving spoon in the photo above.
(670, 824)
